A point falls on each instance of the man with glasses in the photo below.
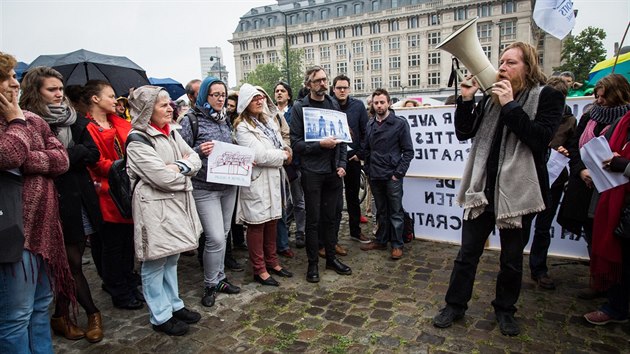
(323, 165)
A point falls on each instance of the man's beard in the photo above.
(517, 84)
(320, 92)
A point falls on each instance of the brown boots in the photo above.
(64, 327)
(94, 331)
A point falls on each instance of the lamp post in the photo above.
(286, 48)
(500, 26)
(213, 58)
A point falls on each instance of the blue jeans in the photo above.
(296, 206)
(282, 238)
(391, 218)
(25, 294)
(159, 285)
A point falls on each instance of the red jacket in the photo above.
(104, 139)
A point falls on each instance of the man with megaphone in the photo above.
(505, 181)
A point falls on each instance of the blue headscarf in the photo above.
(202, 97)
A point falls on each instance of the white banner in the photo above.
(230, 164)
(436, 216)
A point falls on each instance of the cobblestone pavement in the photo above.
(385, 306)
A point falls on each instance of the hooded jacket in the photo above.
(164, 213)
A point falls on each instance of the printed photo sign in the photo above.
(320, 124)
(230, 164)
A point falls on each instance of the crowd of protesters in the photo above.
(59, 145)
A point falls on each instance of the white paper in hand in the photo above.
(230, 164)
(557, 162)
(593, 154)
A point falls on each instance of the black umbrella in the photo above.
(80, 66)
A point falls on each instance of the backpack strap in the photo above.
(194, 126)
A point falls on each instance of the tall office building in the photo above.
(384, 43)
(212, 63)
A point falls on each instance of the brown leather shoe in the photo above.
(65, 328)
(397, 253)
(340, 250)
(373, 246)
(94, 331)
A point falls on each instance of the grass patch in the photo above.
(343, 343)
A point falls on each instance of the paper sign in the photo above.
(230, 164)
(320, 124)
(594, 153)
(556, 164)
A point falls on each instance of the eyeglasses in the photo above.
(258, 98)
(319, 81)
(217, 95)
(342, 88)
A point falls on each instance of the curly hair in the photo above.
(7, 63)
(534, 76)
(32, 82)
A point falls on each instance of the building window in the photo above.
(308, 17)
(256, 43)
(508, 7)
(487, 50)
(414, 80)
(323, 35)
(394, 81)
(308, 37)
(413, 22)
(508, 30)
(377, 82)
(271, 42)
(394, 43)
(461, 14)
(358, 8)
(414, 60)
(376, 5)
(484, 10)
(256, 24)
(433, 38)
(246, 61)
(340, 33)
(244, 46)
(324, 52)
(293, 19)
(393, 25)
(394, 4)
(271, 21)
(309, 54)
(394, 62)
(326, 68)
(376, 64)
(357, 48)
(293, 40)
(375, 45)
(357, 31)
(273, 57)
(358, 66)
(358, 84)
(375, 27)
(413, 41)
(434, 19)
(484, 31)
(324, 14)
(342, 68)
(340, 11)
(434, 58)
(259, 58)
(434, 78)
(342, 51)
(541, 58)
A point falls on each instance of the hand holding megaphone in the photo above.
(468, 87)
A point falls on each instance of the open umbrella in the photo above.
(19, 70)
(175, 89)
(604, 68)
(80, 66)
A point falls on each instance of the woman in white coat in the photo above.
(260, 205)
(164, 214)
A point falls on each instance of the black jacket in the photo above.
(357, 121)
(389, 149)
(76, 188)
(314, 158)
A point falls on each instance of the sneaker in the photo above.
(209, 296)
(233, 265)
(362, 238)
(363, 219)
(287, 253)
(172, 327)
(601, 318)
(508, 324)
(446, 317)
(544, 281)
(226, 287)
(185, 315)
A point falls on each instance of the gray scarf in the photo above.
(60, 118)
(517, 190)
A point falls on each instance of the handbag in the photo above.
(11, 219)
(622, 230)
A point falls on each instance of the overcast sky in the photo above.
(164, 36)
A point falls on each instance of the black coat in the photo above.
(76, 188)
(389, 149)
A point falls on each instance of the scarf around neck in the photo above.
(513, 197)
(60, 118)
(607, 115)
(209, 112)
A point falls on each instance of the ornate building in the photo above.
(384, 43)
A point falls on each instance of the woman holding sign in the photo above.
(260, 205)
(215, 201)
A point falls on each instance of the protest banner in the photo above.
(230, 164)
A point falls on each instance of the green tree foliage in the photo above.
(580, 53)
(267, 75)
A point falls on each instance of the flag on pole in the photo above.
(555, 17)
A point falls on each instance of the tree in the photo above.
(580, 53)
(296, 68)
(268, 75)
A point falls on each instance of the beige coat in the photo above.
(164, 213)
(262, 200)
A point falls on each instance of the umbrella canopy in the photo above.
(175, 89)
(604, 68)
(20, 68)
(80, 66)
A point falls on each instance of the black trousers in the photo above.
(475, 232)
(352, 182)
(321, 193)
(117, 261)
(542, 234)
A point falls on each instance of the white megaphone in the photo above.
(464, 45)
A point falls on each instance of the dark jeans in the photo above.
(321, 192)
(619, 294)
(391, 218)
(352, 182)
(475, 232)
(542, 234)
(117, 261)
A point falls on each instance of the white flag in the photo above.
(555, 17)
